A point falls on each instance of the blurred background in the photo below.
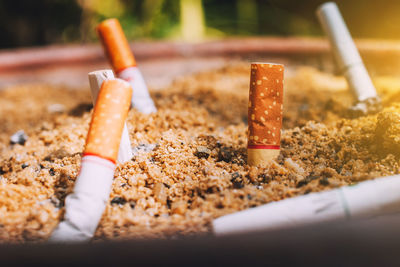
(27, 23)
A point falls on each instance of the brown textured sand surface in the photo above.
(190, 157)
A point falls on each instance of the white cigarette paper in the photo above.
(367, 199)
(85, 206)
(345, 51)
(141, 99)
(96, 78)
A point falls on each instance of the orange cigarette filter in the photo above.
(265, 112)
(115, 45)
(108, 119)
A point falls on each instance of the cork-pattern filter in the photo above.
(115, 45)
(265, 109)
(108, 119)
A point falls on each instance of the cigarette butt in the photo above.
(86, 204)
(96, 79)
(115, 45)
(123, 62)
(365, 200)
(108, 119)
(265, 113)
(141, 99)
(345, 52)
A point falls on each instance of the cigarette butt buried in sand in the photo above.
(364, 200)
(85, 206)
(96, 79)
(108, 119)
(117, 49)
(265, 113)
(348, 59)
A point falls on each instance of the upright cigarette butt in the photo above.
(345, 51)
(109, 115)
(265, 113)
(123, 62)
(86, 204)
(115, 45)
(96, 79)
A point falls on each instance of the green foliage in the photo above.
(154, 19)
(39, 22)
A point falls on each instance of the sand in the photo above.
(190, 157)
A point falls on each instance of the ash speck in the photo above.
(19, 137)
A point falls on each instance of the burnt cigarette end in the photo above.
(265, 112)
(369, 106)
